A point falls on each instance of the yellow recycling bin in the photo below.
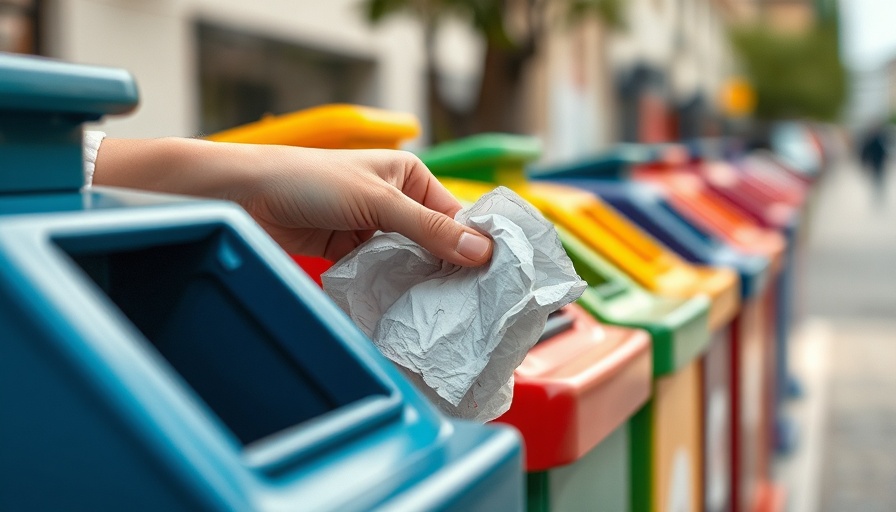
(336, 126)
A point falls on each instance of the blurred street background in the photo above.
(846, 343)
(850, 302)
(581, 75)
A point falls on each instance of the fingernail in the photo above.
(473, 247)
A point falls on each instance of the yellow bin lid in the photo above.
(466, 191)
(625, 245)
(336, 126)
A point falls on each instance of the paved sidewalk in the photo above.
(849, 270)
(859, 463)
(845, 352)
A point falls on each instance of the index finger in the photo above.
(421, 186)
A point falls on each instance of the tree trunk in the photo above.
(500, 104)
(500, 100)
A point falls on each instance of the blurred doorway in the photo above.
(243, 76)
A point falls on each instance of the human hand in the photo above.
(327, 202)
(311, 201)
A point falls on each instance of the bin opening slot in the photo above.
(218, 314)
(605, 286)
(558, 322)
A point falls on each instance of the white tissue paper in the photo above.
(460, 332)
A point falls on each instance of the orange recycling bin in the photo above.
(661, 479)
(337, 126)
(688, 194)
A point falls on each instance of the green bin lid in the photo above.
(679, 328)
(479, 157)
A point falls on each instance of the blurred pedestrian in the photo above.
(873, 153)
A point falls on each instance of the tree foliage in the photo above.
(795, 76)
(512, 30)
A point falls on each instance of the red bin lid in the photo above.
(577, 386)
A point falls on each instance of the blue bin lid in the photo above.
(43, 104)
(613, 163)
(37, 84)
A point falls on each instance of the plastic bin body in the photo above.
(162, 353)
(647, 206)
(797, 190)
(668, 428)
(679, 327)
(573, 397)
(336, 126)
(710, 213)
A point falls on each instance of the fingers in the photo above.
(420, 185)
(436, 232)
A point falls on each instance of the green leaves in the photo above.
(489, 17)
(377, 10)
(794, 75)
(612, 12)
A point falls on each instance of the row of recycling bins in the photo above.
(161, 353)
(661, 388)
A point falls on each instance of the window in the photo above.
(19, 26)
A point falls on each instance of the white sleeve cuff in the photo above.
(92, 141)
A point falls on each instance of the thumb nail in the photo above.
(473, 247)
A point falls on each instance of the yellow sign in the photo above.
(738, 98)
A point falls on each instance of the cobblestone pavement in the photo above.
(859, 462)
(850, 284)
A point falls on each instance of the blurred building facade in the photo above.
(192, 57)
(658, 78)
(203, 65)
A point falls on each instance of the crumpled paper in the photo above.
(458, 332)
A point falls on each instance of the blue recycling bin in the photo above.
(612, 163)
(162, 353)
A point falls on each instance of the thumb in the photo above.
(439, 234)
